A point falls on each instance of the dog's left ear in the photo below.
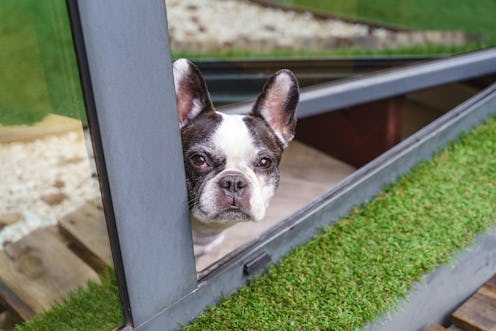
(277, 104)
(191, 91)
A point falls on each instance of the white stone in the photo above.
(29, 171)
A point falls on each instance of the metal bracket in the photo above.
(256, 265)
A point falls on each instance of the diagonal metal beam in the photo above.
(385, 84)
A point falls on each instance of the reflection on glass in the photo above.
(292, 28)
(321, 41)
(49, 195)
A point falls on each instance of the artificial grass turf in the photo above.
(94, 308)
(361, 266)
(354, 270)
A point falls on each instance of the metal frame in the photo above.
(125, 66)
(385, 84)
(238, 80)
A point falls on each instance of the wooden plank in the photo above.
(8, 320)
(39, 270)
(357, 134)
(443, 98)
(416, 116)
(9, 298)
(425, 106)
(10, 218)
(51, 124)
(85, 229)
(436, 327)
(454, 328)
(479, 312)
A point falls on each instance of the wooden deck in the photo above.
(44, 266)
(477, 314)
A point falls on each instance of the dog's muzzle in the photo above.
(233, 185)
(234, 193)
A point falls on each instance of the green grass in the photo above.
(38, 67)
(358, 268)
(426, 50)
(463, 15)
(95, 308)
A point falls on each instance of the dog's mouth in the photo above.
(224, 217)
(229, 200)
(233, 214)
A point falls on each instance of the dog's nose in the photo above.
(233, 184)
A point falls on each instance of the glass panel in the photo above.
(309, 28)
(52, 228)
(358, 36)
(239, 45)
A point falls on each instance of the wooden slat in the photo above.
(479, 312)
(50, 125)
(443, 98)
(39, 270)
(8, 320)
(9, 298)
(86, 232)
(436, 327)
(357, 134)
(416, 116)
(454, 328)
(10, 218)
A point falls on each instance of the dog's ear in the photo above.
(192, 96)
(277, 104)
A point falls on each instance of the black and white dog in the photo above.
(231, 161)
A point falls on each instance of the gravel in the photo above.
(213, 25)
(42, 181)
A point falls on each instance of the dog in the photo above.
(231, 161)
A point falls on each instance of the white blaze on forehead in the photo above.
(233, 138)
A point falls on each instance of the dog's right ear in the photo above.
(192, 96)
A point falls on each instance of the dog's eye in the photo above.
(264, 163)
(199, 161)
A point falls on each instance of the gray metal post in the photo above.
(126, 71)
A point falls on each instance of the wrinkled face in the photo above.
(231, 160)
(232, 167)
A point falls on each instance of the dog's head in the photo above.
(232, 161)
